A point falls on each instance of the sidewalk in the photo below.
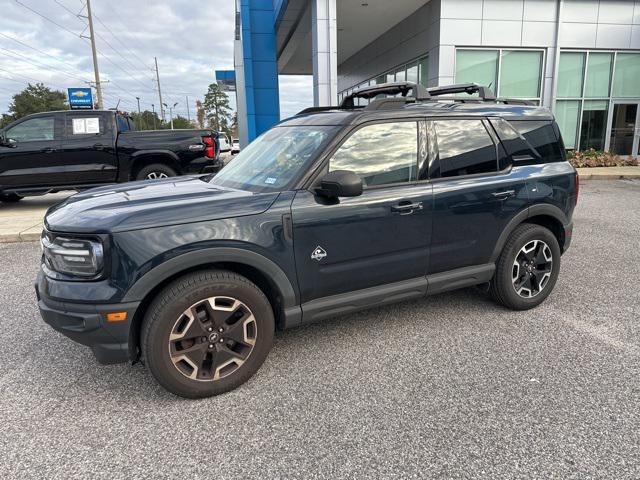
(608, 173)
(22, 221)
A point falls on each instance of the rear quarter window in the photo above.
(534, 138)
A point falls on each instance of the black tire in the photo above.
(10, 197)
(167, 312)
(507, 278)
(155, 171)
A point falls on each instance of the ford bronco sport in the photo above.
(333, 210)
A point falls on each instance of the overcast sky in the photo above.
(191, 39)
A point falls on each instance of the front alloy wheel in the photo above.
(207, 333)
(212, 338)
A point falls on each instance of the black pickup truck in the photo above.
(75, 150)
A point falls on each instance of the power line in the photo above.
(121, 42)
(24, 58)
(45, 17)
(37, 50)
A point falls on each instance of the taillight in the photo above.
(577, 186)
(209, 147)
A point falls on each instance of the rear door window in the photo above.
(78, 126)
(464, 147)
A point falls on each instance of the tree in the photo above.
(180, 122)
(216, 105)
(35, 99)
(200, 113)
(146, 120)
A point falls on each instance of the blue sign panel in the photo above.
(80, 99)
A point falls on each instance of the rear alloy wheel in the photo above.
(155, 172)
(207, 333)
(527, 269)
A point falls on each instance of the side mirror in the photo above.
(340, 183)
(7, 142)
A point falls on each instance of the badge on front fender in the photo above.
(318, 253)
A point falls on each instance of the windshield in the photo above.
(275, 159)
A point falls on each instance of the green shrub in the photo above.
(596, 158)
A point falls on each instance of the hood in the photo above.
(148, 204)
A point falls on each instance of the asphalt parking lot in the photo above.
(449, 386)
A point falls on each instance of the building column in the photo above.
(256, 69)
(324, 52)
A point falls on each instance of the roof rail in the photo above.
(483, 92)
(317, 109)
(402, 88)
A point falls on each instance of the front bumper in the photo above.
(87, 324)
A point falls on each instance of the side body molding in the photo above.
(212, 255)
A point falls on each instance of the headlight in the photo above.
(72, 256)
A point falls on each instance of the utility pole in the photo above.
(95, 56)
(159, 90)
(188, 112)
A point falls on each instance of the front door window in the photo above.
(623, 129)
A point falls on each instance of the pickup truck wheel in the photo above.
(207, 333)
(10, 197)
(155, 171)
(527, 269)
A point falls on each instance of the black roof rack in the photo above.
(402, 88)
(418, 94)
(483, 92)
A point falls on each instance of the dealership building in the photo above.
(579, 58)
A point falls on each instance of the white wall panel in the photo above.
(635, 37)
(613, 36)
(471, 9)
(616, 11)
(584, 11)
(538, 34)
(501, 33)
(540, 10)
(501, 10)
(578, 35)
(460, 32)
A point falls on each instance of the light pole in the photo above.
(171, 112)
(153, 109)
(139, 115)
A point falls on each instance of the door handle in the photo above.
(98, 146)
(405, 208)
(48, 150)
(504, 194)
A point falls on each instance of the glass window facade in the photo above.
(520, 74)
(509, 73)
(588, 83)
(416, 71)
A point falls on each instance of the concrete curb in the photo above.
(609, 173)
(608, 176)
(31, 234)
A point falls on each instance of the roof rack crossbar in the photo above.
(484, 93)
(402, 88)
